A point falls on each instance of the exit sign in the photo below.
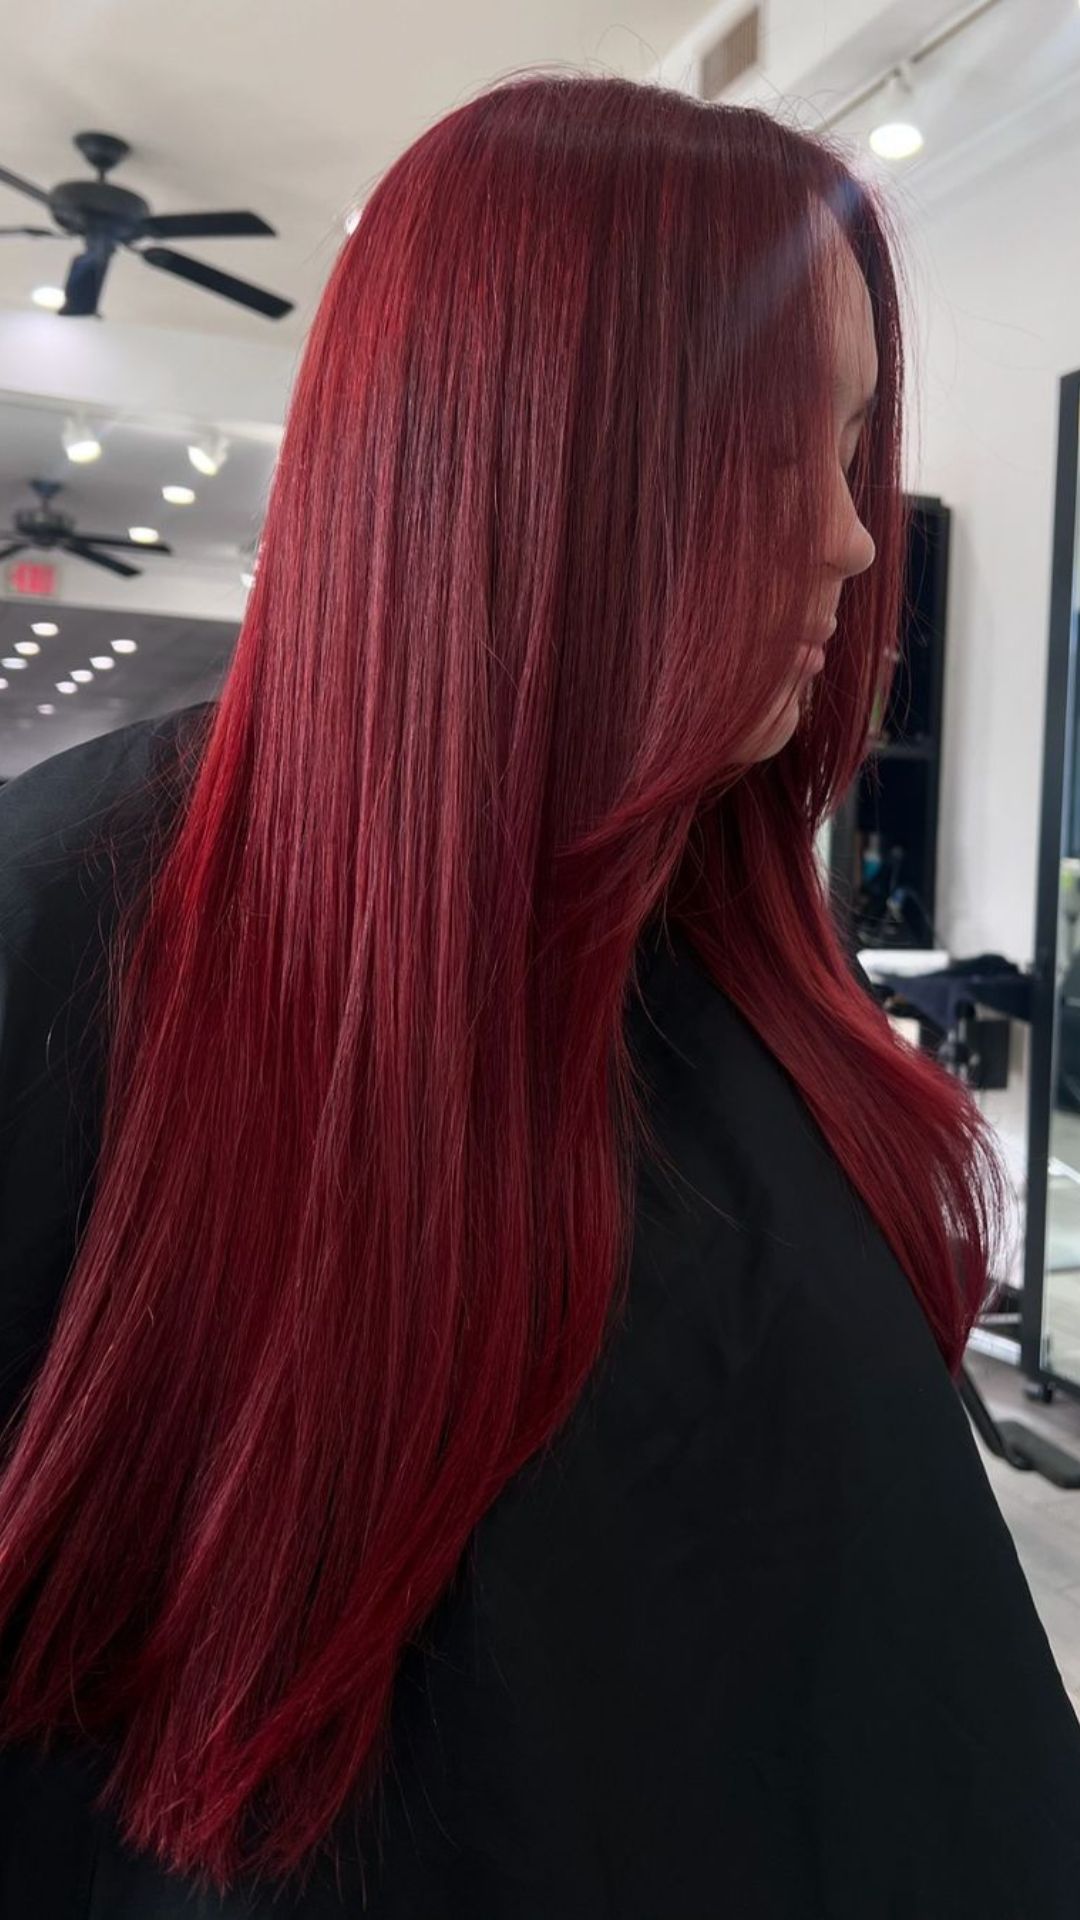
(35, 578)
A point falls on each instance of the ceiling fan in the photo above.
(45, 526)
(105, 217)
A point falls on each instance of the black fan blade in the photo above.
(138, 546)
(84, 282)
(202, 226)
(216, 282)
(24, 186)
(101, 559)
(17, 546)
(35, 233)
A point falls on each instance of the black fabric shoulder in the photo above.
(55, 809)
(75, 833)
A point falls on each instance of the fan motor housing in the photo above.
(43, 526)
(97, 210)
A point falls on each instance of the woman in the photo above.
(481, 1437)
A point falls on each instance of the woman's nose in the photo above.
(853, 549)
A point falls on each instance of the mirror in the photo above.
(1052, 1279)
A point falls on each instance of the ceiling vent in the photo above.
(737, 53)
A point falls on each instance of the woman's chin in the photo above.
(773, 738)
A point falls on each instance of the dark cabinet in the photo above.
(883, 848)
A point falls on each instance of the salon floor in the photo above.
(1044, 1521)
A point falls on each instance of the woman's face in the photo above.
(850, 549)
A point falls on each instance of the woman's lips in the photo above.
(814, 650)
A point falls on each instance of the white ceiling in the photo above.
(289, 108)
(123, 488)
(177, 662)
(1008, 79)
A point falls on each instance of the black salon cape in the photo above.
(751, 1640)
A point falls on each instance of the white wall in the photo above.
(995, 286)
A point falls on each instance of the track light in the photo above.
(895, 135)
(80, 442)
(208, 453)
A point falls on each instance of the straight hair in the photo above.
(541, 540)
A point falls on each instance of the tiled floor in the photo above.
(1044, 1520)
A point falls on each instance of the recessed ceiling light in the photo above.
(45, 629)
(46, 708)
(82, 675)
(3, 683)
(66, 686)
(102, 661)
(124, 646)
(80, 442)
(179, 496)
(27, 646)
(208, 453)
(52, 298)
(143, 536)
(13, 665)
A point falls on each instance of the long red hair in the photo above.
(539, 551)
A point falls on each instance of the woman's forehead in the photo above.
(854, 344)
